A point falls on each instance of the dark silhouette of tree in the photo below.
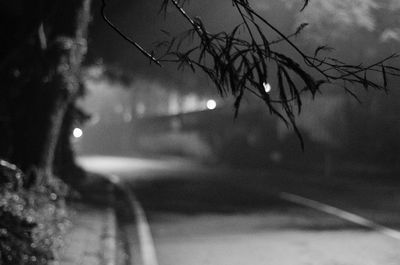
(40, 68)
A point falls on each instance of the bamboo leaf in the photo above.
(306, 2)
(300, 28)
(322, 48)
(384, 77)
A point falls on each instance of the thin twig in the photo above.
(125, 37)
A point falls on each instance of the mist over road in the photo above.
(204, 215)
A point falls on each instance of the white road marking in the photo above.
(147, 248)
(351, 217)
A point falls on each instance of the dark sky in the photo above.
(357, 28)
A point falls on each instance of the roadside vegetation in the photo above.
(32, 220)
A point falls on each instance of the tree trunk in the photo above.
(64, 164)
(55, 83)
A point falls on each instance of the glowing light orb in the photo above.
(77, 133)
(267, 87)
(211, 104)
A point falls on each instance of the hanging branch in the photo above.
(238, 64)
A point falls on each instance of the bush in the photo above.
(32, 220)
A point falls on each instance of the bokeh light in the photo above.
(77, 133)
(211, 104)
(267, 87)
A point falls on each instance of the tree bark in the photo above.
(65, 165)
(61, 42)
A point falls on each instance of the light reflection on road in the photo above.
(132, 167)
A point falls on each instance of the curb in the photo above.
(108, 256)
(147, 250)
(109, 240)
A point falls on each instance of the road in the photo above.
(202, 215)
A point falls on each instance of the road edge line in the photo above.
(345, 215)
(147, 247)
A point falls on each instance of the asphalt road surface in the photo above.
(203, 215)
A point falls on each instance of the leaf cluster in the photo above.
(247, 58)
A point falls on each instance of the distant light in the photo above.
(140, 109)
(77, 133)
(211, 104)
(127, 117)
(267, 87)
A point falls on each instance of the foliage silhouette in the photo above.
(245, 59)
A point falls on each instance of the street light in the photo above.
(211, 104)
(77, 133)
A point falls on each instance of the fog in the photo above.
(162, 110)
